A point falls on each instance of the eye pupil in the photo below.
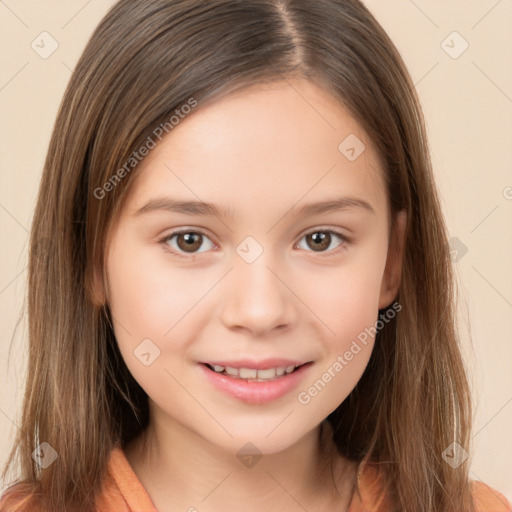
(188, 237)
(321, 240)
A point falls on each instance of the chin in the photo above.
(262, 440)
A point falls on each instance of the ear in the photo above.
(393, 270)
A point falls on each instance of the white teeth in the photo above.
(253, 373)
(267, 374)
(247, 373)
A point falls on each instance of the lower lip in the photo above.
(256, 392)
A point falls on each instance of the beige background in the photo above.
(468, 107)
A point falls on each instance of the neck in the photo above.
(181, 470)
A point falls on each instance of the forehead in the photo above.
(275, 142)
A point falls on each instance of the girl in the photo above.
(240, 292)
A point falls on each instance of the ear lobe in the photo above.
(393, 270)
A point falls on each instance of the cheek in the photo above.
(152, 300)
(153, 305)
(346, 297)
(346, 302)
(147, 295)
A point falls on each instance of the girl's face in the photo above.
(282, 261)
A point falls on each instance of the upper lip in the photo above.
(264, 364)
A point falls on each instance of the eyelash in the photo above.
(342, 246)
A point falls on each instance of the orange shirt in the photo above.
(123, 492)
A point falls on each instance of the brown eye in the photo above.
(320, 241)
(189, 242)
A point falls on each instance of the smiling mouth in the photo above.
(253, 374)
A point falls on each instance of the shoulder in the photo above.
(20, 497)
(373, 493)
(488, 499)
(121, 491)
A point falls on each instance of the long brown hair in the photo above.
(145, 60)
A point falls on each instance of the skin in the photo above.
(262, 152)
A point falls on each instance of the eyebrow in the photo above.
(204, 208)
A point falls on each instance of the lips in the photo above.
(256, 382)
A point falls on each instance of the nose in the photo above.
(257, 298)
